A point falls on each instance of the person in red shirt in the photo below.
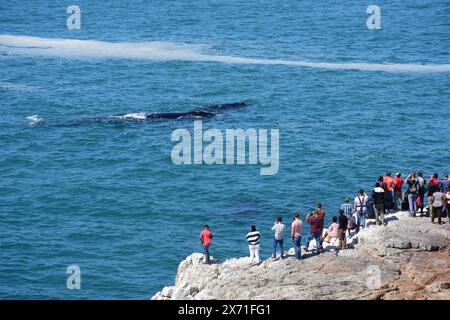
(389, 190)
(435, 181)
(205, 238)
(398, 183)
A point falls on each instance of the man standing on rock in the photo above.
(278, 228)
(360, 208)
(343, 223)
(378, 196)
(347, 207)
(205, 238)
(398, 183)
(316, 229)
(296, 235)
(389, 191)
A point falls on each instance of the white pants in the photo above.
(254, 252)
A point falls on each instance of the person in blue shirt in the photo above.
(445, 183)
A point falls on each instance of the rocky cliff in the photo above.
(407, 259)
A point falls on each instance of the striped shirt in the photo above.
(253, 237)
(347, 207)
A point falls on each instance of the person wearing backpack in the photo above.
(412, 192)
(422, 190)
(360, 208)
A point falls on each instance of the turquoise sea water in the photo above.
(106, 196)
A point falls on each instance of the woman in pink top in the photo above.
(332, 232)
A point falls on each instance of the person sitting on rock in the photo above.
(278, 228)
(332, 234)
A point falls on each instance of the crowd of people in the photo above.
(387, 196)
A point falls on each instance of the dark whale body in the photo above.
(202, 112)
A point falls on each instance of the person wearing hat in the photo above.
(398, 184)
(347, 207)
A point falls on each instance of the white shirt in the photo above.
(361, 200)
(279, 231)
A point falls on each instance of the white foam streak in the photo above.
(33, 120)
(164, 51)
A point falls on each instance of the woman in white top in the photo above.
(439, 200)
(253, 244)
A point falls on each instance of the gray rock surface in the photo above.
(408, 259)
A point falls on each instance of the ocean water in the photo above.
(349, 103)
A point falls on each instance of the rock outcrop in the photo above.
(408, 259)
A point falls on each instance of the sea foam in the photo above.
(166, 51)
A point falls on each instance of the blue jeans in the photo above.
(361, 223)
(297, 242)
(389, 201)
(206, 252)
(397, 200)
(412, 203)
(275, 244)
(317, 237)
